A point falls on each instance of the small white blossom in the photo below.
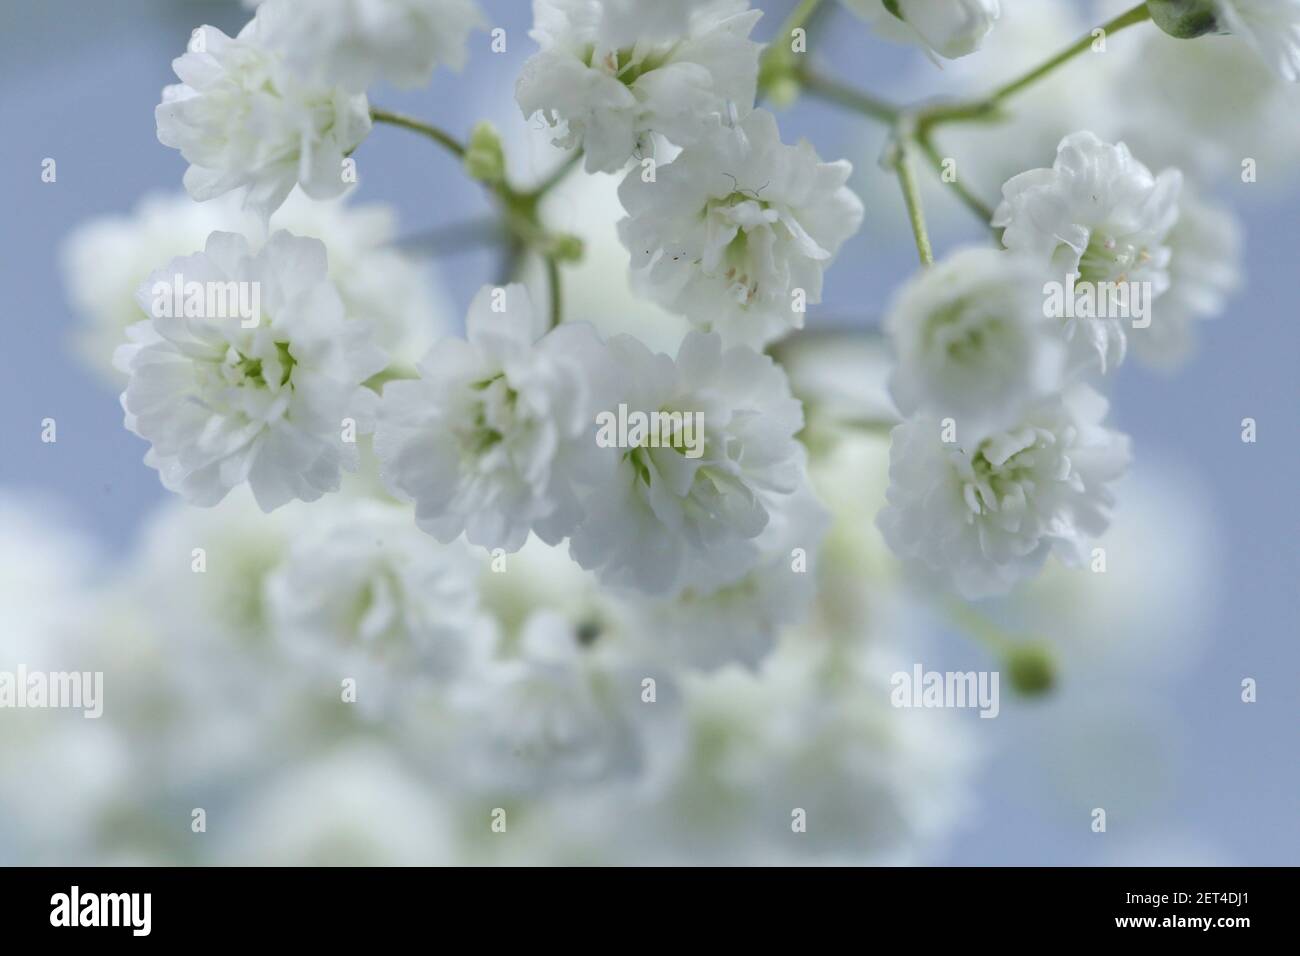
(612, 74)
(241, 118)
(105, 259)
(1206, 249)
(984, 511)
(666, 521)
(737, 231)
(497, 435)
(1099, 214)
(356, 43)
(555, 713)
(740, 622)
(223, 402)
(363, 592)
(951, 28)
(972, 340)
(1272, 27)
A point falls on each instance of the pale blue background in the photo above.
(78, 82)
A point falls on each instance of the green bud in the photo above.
(892, 7)
(1184, 19)
(1031, 668)
(485, 160)
(565, 247)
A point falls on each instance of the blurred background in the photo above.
(1201, 593)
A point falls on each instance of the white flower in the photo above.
(105, 259)
(1099, 214)
(1205, 247)
(1272, 27)
(241, 118)
(363, 593)
(613, 75)
(951, 28)
(666, 521)
(561, 703)
(497, 434)
(736, 232)
(985, 511)
(357, 805)
(972, 340)
(356, 43)
(555, 713)
(222, 403)
(740, 622)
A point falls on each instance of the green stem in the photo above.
(428, 129)
(971, 201)
(987, 107)
(912, 198)
(1126, 19)
(833, 91)
(556, 290)
(556, 176)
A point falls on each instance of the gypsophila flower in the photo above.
(224, 399)
(364, 593)
(105, 260)
(951, 28)
(673, 515)
(356, 43)
(1205, 247)
(497, 435)
(972, 340)
(1100, 215)
(740, 622)
(611, 75)
(983, 511)
(736, 232)
(241, 118)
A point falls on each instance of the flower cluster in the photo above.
(544, 520)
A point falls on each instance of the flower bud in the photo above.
(484, 158)
(1031, 669)
(1184, 18)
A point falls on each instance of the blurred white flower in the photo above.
(563, 701)
(810, 738)
(355, 806)
(105, 259)
(498, 434)
(240, 118)
(666, 521)
(612, 74)
(737, 231)
(972, 340)
(1099, 214)
(984, 511)
(356, 43)
(1272, 27)
(223, 402)
(1208, 106)
(951, 28)
(1205, 260)
(364, 594)
(740, 622)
